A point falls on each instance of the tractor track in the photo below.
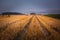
(46, 32)
(21, 34)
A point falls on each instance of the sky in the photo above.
(29, 6)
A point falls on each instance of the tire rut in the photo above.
(21, 34)
(46, 32)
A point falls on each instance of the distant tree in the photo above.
(11, 13)
(6, 13)
(33, 13)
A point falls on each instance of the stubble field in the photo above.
(29, 27)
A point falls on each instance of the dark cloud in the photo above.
(27, 6)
